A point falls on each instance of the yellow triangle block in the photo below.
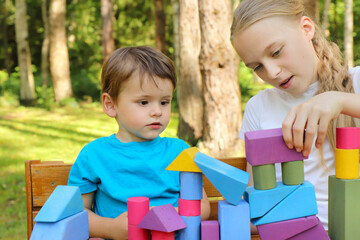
(185, 161)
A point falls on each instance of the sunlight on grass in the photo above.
(34, 133)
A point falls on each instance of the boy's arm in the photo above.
(105, 227)
(205, 207)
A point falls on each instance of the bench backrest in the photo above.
(42, 177)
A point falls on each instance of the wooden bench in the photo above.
(42, 177)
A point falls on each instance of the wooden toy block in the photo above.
(264, 176)
(344, 210)
(318, 232)
(347, 163)
(234, 221)
(268, 146)
(73, 227)
(189, 207)
(157, 235)
(63, 202)
(210, 230)
(348, 138)
(137, 207)
(293, 172)
(136, 233)
(191, 184)
(300, 203)
(255, 198)
(185, 161)
(304, 228)
(162, 218)
(224, 177)
(192, 230)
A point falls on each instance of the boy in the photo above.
(137, 89)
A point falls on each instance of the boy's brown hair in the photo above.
(123, 62)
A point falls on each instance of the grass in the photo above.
(34, 133)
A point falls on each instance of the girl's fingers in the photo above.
(298, 130)
(287, 128)
(310, 132)
(322, 129)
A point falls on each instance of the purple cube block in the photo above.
(210, 230)
(268, 146)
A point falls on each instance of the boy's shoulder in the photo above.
(174, 141)
(100, 142)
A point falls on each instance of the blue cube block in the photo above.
(70, 228)
(234, 221)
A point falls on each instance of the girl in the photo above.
(313, 88)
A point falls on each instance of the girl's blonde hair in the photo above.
(332, 71)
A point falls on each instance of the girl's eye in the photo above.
(276, 53)
(143, 102)
(258, 67)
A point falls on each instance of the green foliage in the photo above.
(45, 98)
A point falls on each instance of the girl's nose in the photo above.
(273, 71)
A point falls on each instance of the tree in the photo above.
(348, 33)
(189, 92)
(45, 45)
(325, 18)
(108, 42)
(219, 67)
(27, 86)
(160, 24)
(59, 56)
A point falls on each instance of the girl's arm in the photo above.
(105, 227)
(314, 115)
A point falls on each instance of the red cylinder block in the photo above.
(348, 138)
(189, 207)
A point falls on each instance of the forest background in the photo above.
(50, 61)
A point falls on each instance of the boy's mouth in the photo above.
(155, 125)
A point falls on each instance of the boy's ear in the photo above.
(308, 27)
(108, 105)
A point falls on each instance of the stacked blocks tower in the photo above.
(231, 182)
(163, 221)
(62, 217)
(344, 187)
(137, 207)
(191, 182)
(290, 204)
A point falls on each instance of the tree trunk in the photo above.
(325, 18)
(189, 90)
(108, 42)
(312, 8)
(219, 68)
(59, 56)
(160, 23)
(176, 16)
(6, 37)
(45, 45)
(27, 88)
(348, 33)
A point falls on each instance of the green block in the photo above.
(264, 176)
(344, 209)
(292, 172)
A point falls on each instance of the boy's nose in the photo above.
(156, 110)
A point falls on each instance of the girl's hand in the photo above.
(311, 118)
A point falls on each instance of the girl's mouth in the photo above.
(286, 83)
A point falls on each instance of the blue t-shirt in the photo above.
(118, 171)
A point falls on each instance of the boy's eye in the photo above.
(143, 102)
(165, 102)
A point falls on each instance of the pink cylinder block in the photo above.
(137, 207)
(348, 138)
(157, 235)
(189, 207)
(135, 233)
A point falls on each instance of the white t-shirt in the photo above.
(269, 108)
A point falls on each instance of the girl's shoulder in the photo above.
(355, 73)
